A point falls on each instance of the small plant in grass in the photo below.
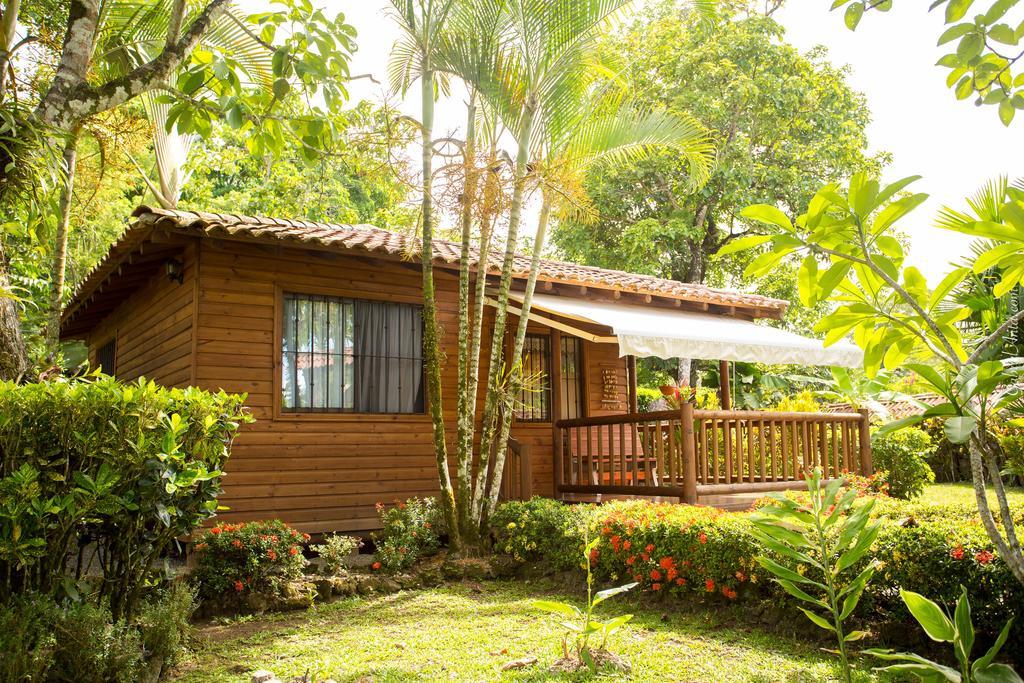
(822, 541)
(334, 552)
(960, 631)
(579, 624)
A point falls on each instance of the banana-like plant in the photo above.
(960, 632)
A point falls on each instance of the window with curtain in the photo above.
(106, 357)
(572, 378)
(534, 404)
(351, 355)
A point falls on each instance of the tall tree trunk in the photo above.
(515, 382)
(8, 31)
(13, 359)
(60, 247)
(431, 332)
(1008, 547)
(464, 409)
(495, 388)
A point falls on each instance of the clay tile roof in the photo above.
(378, 240)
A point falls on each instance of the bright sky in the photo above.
(954, 145)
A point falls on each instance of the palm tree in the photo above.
(416, 56)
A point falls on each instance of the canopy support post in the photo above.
(724, 388)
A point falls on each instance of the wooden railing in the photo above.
(517, 479)
(690, 452)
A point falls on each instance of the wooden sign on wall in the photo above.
(611, 387)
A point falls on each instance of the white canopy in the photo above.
(666, 333)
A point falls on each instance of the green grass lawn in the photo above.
(963, 493)
(467, 632)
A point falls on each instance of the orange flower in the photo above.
(655, 586)
(630, 560)
(655, 575)
(239, 586)
(680, 581)
(703, 538)
(201, 546)
(237, 543)
(215, 530)
(626, 545)
(709, 586)
(650, 548)
(741, 577)
(984, 557)
(305, 537)
(294, 550)
(729, 592)
(957, 553)
(272, 555)
(666, 563)
(375, 566)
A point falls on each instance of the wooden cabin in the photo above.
(321, 326)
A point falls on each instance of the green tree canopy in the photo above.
(783, 122)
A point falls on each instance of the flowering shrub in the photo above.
(251, 556)
(675, 548)
(875, 485)
(409, 530)
(670, 548)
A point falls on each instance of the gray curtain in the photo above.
(388, 341)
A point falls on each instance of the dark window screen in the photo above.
(572, 378)
(351, 355)
(535, 397)
(106, 357)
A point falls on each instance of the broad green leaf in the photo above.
(956, 9)
(612, 592)
(958, 429)
(990, 656)
(996, 673)
(947, 285)
(820, 621)
(853, 15)
(743, 244)
(800, 594)
(784, 572)
(766, 213)
(964, 627)
(931, 617)
(554, 607)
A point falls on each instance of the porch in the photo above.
(725, 458)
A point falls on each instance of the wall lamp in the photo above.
(175, 270)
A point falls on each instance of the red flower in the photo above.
(630, 560)
(426, 525)
(294, 550)
(627, 545)
(680, 581)
(645, 557)
(709, 586)
(375, 566)
(201, 546)
(650, 548)
(741, 577)
(671, 573)
(215, 530)
(638, 578)
(703, 538)
(272, 555)
(237, 543)
(984, 557)
(655, 575)
(655, 586)
(239, 586)
(666, 563)
(305, 537)
(957, 553)
(729, 592)
(594, 554)
(379, 505)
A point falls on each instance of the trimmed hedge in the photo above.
(670, 548)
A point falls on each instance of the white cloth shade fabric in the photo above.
(646, 331)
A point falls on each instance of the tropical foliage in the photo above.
(985, 49)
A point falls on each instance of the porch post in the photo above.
(689, 454)
(864, 425)
(556, 407)
(724, 389)
(631, 389)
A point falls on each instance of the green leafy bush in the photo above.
(93, 648)
(1013, 452)
(252, 556)
(165, 620)
(903, 456)
(541, 529)
(409, 530)
(334, 552)
(646, 397)
(128, 467)
(27, 639)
